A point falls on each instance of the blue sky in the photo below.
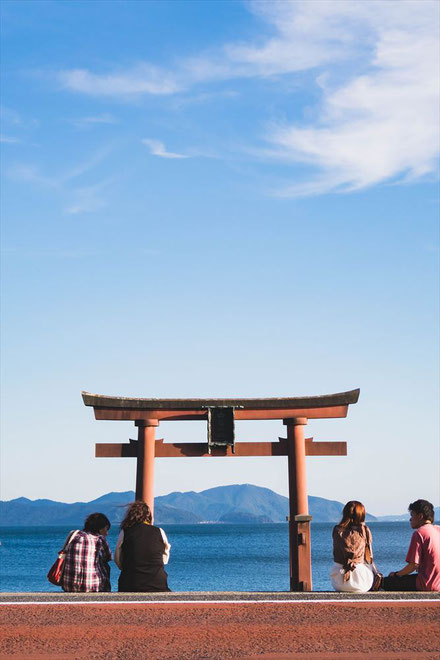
(220, 199)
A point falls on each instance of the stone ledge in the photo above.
(214, 596)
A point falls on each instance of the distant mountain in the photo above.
(242, 503)
(246, 503)
(405, 516)
(224, 502)
(24, 512)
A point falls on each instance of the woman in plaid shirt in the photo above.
(86, 565)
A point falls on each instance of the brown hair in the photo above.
(352, 514)
(137, 512)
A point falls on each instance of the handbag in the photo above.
(377, 575)
(55, 573)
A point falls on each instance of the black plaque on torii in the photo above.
(221, 428)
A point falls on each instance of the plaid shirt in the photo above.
(86, 565)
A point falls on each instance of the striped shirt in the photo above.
(86, 565)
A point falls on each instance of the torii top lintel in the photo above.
(311, 407)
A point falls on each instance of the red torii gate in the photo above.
(295, 413)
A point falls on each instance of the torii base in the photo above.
(300, 553)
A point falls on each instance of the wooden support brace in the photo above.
(116, 449)
(325, 448)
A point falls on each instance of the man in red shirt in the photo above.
(423, 553)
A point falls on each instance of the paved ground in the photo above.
(305, 626)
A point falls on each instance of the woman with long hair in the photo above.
(141, 551)
(352, 551)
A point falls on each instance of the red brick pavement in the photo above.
(250, 631)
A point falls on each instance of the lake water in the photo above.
(203, 557)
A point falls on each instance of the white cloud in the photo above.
(376, 69)
(378, 126)
(378, 116)
(157, 148)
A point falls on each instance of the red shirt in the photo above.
(424, 550)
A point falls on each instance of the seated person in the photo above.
(141, 551)
(423, 553)
(86, 565)
(351, 538)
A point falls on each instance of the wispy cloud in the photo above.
(10, 117)
(158, 148)
(182, 101)
(8, 139)
(303, 39)
(142, 79)
(50, 253)
(376, 73)
(82, 198)
(88, 199)
(88, 122)
(26, 173)
(86, 165)
(379, 82)
(380, 125)
(29, 173)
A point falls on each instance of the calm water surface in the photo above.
(203, 557)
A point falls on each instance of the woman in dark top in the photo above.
(141, 552)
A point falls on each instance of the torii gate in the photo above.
(220, 414)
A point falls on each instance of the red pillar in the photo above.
(299, 519)
(145, 461)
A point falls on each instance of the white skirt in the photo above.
(360, 580)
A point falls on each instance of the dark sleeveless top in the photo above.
(142, 562)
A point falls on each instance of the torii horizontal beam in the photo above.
(242, 449)
(131, 409)
(123, 415)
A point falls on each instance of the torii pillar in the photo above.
(146, 452)
(299, 519)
